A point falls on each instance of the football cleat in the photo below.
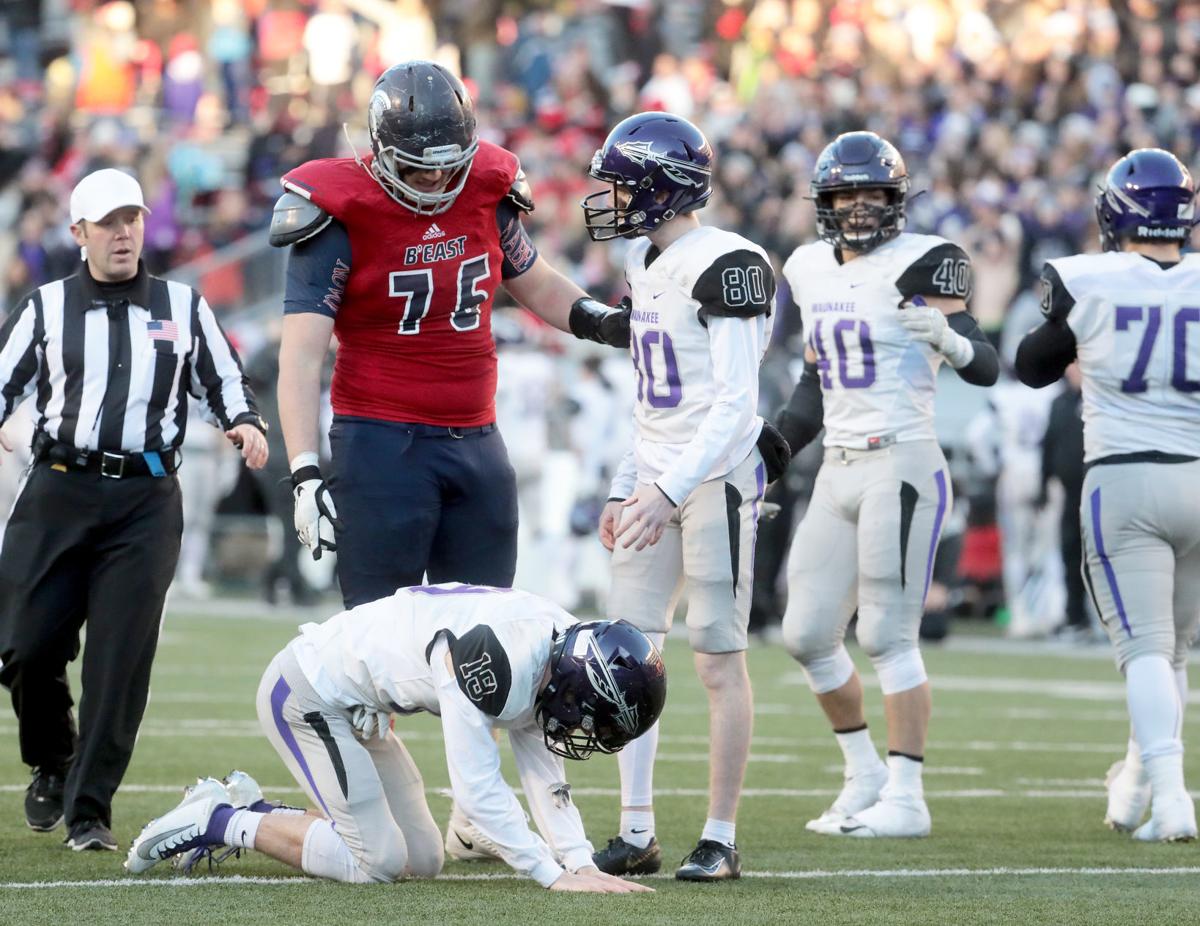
(1128, 797)
(1172, 819)
(179, 830)
(858, 793)
(893, 816)
(622, 859)
(465, 842)
(241, 789)
(710, 861)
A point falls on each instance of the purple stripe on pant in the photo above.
(279, 694)
(1109, 574)
(940, 479)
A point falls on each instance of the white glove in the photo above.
(927, 323)
(315, 516)
(368, 722)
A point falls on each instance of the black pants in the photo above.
(415, 505)
(80, 547)
(1071, 542)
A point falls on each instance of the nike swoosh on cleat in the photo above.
(635, 832)
(142, 849)
(468, 844)
(851, 829)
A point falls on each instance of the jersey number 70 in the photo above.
(1128, 315)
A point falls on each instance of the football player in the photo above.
(684, 504)
(1131, 316)
(399, 254)
(479, 658)
(882, 309)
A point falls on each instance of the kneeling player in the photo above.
(479, 658)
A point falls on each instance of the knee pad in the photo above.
(899, 671)
(828, 673)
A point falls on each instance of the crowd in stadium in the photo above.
(1006, 112)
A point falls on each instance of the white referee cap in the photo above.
(102, 191)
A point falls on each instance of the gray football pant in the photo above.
(1141, 536)
(372, 791)
(867, 542)
(708, 548)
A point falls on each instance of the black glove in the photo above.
(594, 321)
(775, 451)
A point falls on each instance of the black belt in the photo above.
(424, 430)
(1141, 456)
(109, 465)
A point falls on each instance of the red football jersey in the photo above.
(414, 328)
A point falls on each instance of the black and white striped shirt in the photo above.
(111, 364)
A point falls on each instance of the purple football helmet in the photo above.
(607, 686)
(659, 166)
(1148, 195)
(854, 161)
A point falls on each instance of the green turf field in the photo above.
(1021, 739)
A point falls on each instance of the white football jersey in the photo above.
(1137, 335)
(378, 654)
(706, 277)
(877, 383)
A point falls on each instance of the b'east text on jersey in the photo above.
(439, 250)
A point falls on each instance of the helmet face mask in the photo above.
(421, 118)
(607, 686)
(859, 161)
(1148, 196)
(657, 166)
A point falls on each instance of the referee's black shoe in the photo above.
(44, 799)
(90, 834)
(620, 858)
(710, 861)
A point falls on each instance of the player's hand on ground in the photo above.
(251, 442)
(646, 514)
(637, 887)
(596, 882)
(610, 517)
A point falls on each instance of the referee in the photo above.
(109, 356)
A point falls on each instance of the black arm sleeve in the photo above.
(944, 270)
(984, 368)
(803, 417)
(317, 270)
(739, 284)
(1045, 353)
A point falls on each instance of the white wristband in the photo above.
(308, 458)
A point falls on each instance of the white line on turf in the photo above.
(239, 880)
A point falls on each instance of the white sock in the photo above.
(1181, 684)
(858, 751)
(636, 761)
(637, 827)
(325, 855)
(904, 775)
(242, 828)
(1133, 757)
(1153, 697)
(721, 831)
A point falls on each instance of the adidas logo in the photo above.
(433, 232)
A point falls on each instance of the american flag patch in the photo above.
(162, 331)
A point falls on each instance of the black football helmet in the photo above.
(855, 161)
(607, 686)
(421, 118)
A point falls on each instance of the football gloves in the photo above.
(369, 722)
(776, 452)
(594, 321)
(315, 516)
(927, 323)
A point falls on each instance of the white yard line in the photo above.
(814, 874)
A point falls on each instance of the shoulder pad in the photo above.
(482, 669)
(296, 219)
(943, 270)
(519, 194)
(1057, 300)
(738, 284)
